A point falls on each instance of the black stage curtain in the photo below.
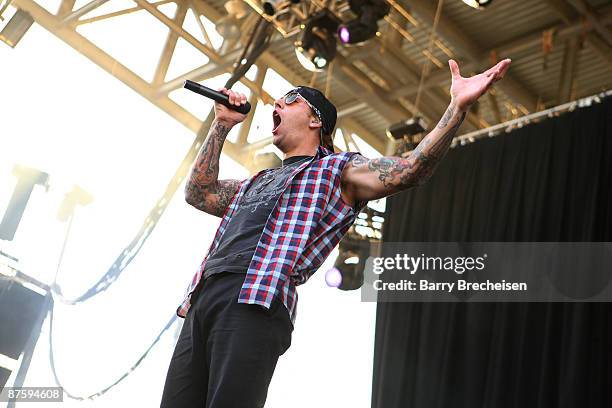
(550, 181)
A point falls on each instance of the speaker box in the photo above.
(20, 309)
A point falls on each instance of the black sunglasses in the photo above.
(292, 96)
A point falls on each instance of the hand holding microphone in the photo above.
(231, 107)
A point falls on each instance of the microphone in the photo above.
(216, 96)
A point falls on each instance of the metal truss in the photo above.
(64, 23)
(385, 85)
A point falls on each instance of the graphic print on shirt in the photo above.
(266, 189)
(239, 241)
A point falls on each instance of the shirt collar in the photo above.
(323, 151)
(294, 159)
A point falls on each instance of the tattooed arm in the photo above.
(364, 180)
(203, 190)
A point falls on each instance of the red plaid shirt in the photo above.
(306, 224)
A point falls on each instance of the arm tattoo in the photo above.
(399, 173)
(202, 189)
(446, 117)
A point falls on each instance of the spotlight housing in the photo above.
(316, 46)
(408, 133)
(365, 25)
(17, 26)
(351, 263)
(271, 7)
(406, 128)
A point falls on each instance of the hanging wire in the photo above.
(426, 65)
(330, 71)
(313, 79)
(118, 380)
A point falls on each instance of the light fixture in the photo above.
(236, 8)
(17, 26)
(408, 132)
(350, 264)
(365, 25)
(77, 196)
(478, 4)
(333, 277)
(406, 128)
(316, 46)
(272, 7)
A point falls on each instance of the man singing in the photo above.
(277, 228)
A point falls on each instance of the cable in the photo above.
(118, 380)
(425, 70)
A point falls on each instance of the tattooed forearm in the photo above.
(206, 167)
(202, 189)
(426, 156)
(446, 117)
(397, 173)
(214, 199)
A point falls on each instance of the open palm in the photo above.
(465, 91)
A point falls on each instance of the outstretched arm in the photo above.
(365, 179)
(203, 190)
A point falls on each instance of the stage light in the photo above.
(76, 196)
(344, 34)
(365, 25)
(316, 46)
(17, 26)
(272, 7)
(478, 4)
(351, 275)
(310, 60)
(351, 262)
(333, 277)
(237, 8)
(408, 132)
(406, 128)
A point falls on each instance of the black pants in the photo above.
(227, 351)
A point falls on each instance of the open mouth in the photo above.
(277, 120)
